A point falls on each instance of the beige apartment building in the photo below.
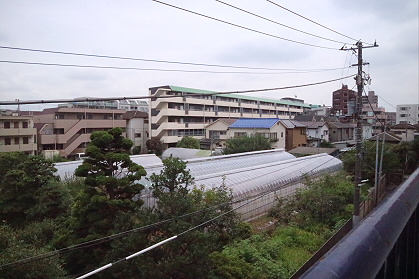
(17, 133)
(178, 111)
(68, 129)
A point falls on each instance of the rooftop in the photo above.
(264, 123)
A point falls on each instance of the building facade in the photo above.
(128, 105)
(343, 101)
(407, 114)
(68, 130)
(137, 129)
(17, 133)
(177, 111)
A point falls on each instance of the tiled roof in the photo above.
(313, 124)
(254, 123)
(291, 124)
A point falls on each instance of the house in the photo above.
(405, 131)
(216, 133)
(296, 134)
(317, 131)
(341, 131)
(387, 137)
(271, 128)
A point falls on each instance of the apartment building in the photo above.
(343, 101)
(376, 116)
(68, 129)
(137, 128)
(128, 105)
(17, 133)
(178, 111)
(407, 114)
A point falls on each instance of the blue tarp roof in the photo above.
(254, 123)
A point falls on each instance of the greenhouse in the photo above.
(256, 178)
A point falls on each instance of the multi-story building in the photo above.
(343, 101)
(137, 128)
(17, 133)
(376, 116)
(177, 111)
(371, 98)
(68, 130)
(407, 114)
(128, 105)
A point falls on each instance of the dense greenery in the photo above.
(247, 144)
(189, 142)
(155, 145)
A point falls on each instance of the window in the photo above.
(25, 125)
(7, 141)
(403, 115)
(59, 116)
(137, 135)
(6, 125)
(16, 125)
(90, 116)
(16, 140)
(282, 134)
(240, 134)
(80, 116)
(25, 140)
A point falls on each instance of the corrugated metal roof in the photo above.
(264, 123)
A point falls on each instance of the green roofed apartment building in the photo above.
(176, 112)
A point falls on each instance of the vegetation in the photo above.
(247, 144)
(189, 142)
(155, 145)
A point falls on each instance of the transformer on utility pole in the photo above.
(358, 116)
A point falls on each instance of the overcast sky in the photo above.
(150, 30)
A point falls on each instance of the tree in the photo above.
(189, 142)
(246, 144)
(186, 207)
(155, 145)
(111, 183)
(23, 180)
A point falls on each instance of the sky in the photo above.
(150, 30)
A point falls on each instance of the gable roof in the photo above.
(226, 121)
(291, 124)
(265, 123)
(314, 124)
(403, 126)
(388, 137)
(339, 125)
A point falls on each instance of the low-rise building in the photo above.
(68, 130)
(17, 133)
(137, 129)
(317, 131)
(405, 132)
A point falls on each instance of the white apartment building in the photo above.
(178, 111)
(407, 114)
(128, 105)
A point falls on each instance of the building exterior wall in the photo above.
(295, 137)
(276, 134)
(17, 133)
(376, 116)
(342, 100)
(68, 129)
(188, 111)
(407, 114)
(137, 131)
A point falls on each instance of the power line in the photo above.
(28, 102)
(282, 7)
(243, 27)
(151, 60)
(278, 23)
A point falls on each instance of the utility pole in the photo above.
(356, 218)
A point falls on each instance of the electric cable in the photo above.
(312, 21)
(243, 27)
(156, 61)
(278, 23)
(28, 102)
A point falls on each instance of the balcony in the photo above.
(17, 132)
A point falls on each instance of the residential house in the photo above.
(388, 137)
(341, 131)
(271, 128)
(296, 134)
(317, 131)
(405, 131)
(216, 133)
(17, 133)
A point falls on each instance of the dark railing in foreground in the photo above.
(384, 245)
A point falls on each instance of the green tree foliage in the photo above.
(23, 186)
(323, 203)
(188, 255)
(391, 161)
(189, 142)
(246, 144)
(326, 144)
(266, 256)
(33, 240)
(110, 186)
(155, 145)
